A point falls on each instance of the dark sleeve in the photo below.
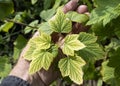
(14, 81)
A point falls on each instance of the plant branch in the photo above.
(20, 23)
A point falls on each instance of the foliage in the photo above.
(6, 8)
(84, 57)
(59, 23)
(71, 65)
(5, 66)
(67, 65)
(105, 11)
(76, 17)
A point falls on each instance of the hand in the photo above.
(45, 78)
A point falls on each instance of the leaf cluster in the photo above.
(75, 47)
(82, 58)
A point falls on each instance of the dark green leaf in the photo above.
(47, 14)
(5, 67)
(92, 51)
(115, 63)
(76, 17)
(90, 72)
(106, 11)
(33, 25)
(6, 8)
(19, 44)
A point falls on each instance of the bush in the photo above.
(98, 53)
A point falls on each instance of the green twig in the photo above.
(20, 23)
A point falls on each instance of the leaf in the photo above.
(5, 67)
(76, 17)
(103, 31)
(54, 50)
(45, 27)
(20, 16)
(100, 82)
(57, 4)
(47, 14)
(87, 38)
(107, 73)
(116, 25)
(92, 51)
(19, 44)
(33, 1)
(118, 33)
(42, 42)
(114, 58)
(114, 62)
(105, 12)
(59, 23)
(43, 59)
(28, 55)
(72, 67)
(72, 43)
(90, 72)
(40, 57)
(6, 26)
(33, 24)
(117, 75)
(6, 8)
(114, 44)
(47, 4)
(3, 61)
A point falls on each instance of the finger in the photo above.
(87, 13)
(36, 34)
(78, 27)
(82, 9)
(70, 6)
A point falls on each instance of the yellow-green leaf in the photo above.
(42, 42)
(72, 43)
(6, 26)
(107, 72)
(28, 54)
(34, 2)
(60, 23)
(72, 67)
(42, 59)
